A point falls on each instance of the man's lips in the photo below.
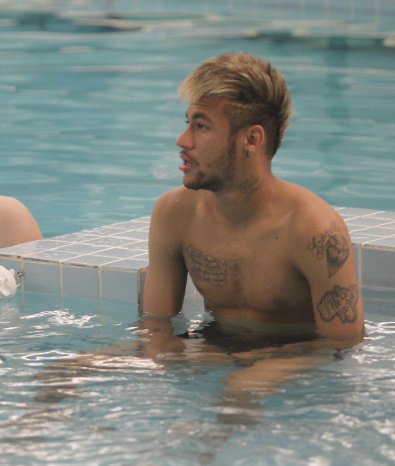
(186, 164)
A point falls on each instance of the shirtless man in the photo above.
(17, 224)
(272, 260)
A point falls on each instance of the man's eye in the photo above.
(196, 124)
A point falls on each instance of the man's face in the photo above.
(208, 150)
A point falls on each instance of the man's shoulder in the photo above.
(173, 195)
(313, 225)
(177, 204)
(312, 215)
(178, 198)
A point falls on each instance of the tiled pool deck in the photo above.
(110, 261)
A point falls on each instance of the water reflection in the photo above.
(195, 403)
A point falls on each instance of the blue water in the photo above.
(90, 110)
(90, 116)
(129, 410)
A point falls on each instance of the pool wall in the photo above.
(111, 261)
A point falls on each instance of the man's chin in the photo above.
(195, 184)
(192, 184)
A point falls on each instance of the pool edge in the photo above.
(111, 261)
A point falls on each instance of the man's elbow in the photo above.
(342, 340)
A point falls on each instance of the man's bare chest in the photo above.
(253, 273)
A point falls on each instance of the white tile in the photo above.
(385, 215)
(52, 256)
(138, 244)
(388, 242)
(387, 230)
(368, 222)
(110, 241)
(42, 277)
(133, 234)
(116, 284)
(80, 281)
(378, 267)
(358, 239)
(91, 260)
(131, 264)
(358, 212)
(81, 248)
(77, 237)
(117, 253)
(14, 264)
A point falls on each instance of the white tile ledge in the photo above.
(110, 261)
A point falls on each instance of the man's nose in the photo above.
(185, 139)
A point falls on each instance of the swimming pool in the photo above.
(91, 112)
(89, 133)
(129, 410)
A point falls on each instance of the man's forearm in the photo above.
(158, 336)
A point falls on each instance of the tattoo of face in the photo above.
(339, 302)
(213, 270)
(333, 245)
(249, 186)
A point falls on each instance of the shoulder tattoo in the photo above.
(207, 268)
(333, 246)
(340, 302)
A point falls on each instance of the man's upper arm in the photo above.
(165, 283)
(327, 261)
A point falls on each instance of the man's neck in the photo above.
(248, 200)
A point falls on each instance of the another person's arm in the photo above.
(17, 225)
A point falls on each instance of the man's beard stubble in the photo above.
(225, 175)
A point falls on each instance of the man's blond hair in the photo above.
(257, 91)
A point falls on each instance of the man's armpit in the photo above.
(340, 302)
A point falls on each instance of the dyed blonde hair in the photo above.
(257, 91)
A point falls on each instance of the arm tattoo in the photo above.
(333, 245)
(213, 270)
(249, 186)
(339, 302)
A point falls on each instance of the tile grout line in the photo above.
(22, 269)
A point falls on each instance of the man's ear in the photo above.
(254, 138)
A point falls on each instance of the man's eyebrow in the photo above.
(197, 115)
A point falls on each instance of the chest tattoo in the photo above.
(333, 246)
(213, 270)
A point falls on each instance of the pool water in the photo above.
(90, 116)
(130, 410)
(90, 108)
